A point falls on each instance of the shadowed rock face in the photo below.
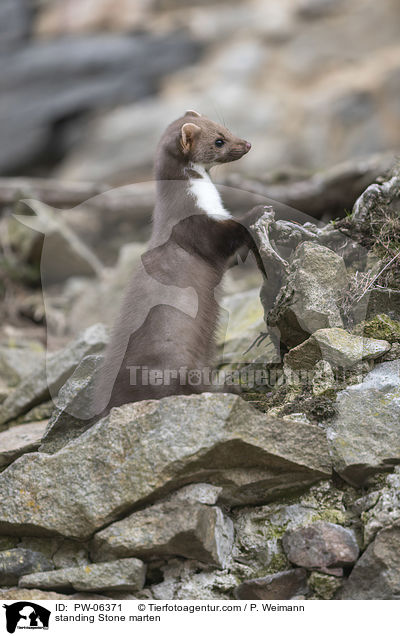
(71, 75)
(214, 443)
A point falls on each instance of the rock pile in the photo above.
(289, 490)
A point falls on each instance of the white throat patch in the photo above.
(206, 194)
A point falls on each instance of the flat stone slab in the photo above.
(20, 439)
(336, 346)
(194, 531)
(280, 586)
(145, 450)
(124, 575)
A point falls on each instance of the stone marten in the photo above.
(164, 336)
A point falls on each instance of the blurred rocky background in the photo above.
(88, 85)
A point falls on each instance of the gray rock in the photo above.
(259, 531)
(194, 531)
(45, 545)
(49, 378)
(308, 300)
(369, 442)
(197, 493)
(321, 545)
(283, 585)
(20, 439)
(71, 554)
(18, 362)
(73, 413)
(190, 579)
(385, 510)
(66, 76)
(124, 574)
(323, 380)
(23, 594)
(324, 586)
(375, 195)
(376, 574)
(16, 562)
(14, 22)
(160, 445)
(336, 346)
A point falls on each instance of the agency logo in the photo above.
(26, 615)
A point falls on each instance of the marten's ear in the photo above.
(192, 113)
(189, 133)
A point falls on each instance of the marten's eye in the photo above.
(219, 143)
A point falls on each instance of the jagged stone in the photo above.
(336, 346)
(20, 439)
(194, 531)
(16, 562)
(308, 300)
(174, 441)
(376, 575)
(124, 574)
(74, 403)
(280, 586)
(321, 545)
(364, 436)
(384, 510)
(49, 378)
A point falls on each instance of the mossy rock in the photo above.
(380, 327)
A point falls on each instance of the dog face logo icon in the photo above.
(26, 615)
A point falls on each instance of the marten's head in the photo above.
(194, 139)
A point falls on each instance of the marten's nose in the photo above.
(247, 145)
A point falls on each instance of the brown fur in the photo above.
(169, 316)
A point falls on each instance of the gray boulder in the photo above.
(20, 439)
(18, 561)
(124, 574)
(376, 574)
(308, 300)
(336, 346)
(158, 446)
(364, 437)
(74, 406)
(47, 380)
(194, 531)
(386, 509)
